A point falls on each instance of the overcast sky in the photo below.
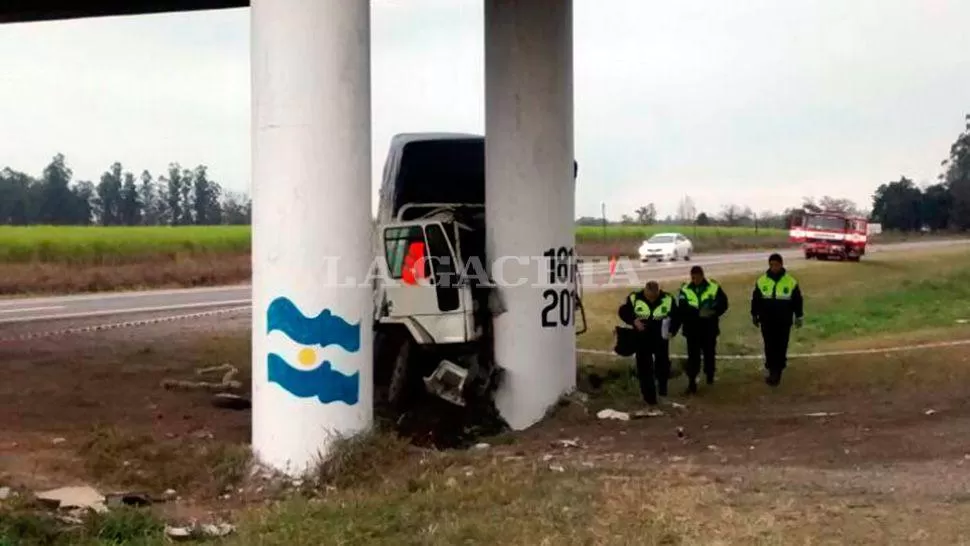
(756, 102)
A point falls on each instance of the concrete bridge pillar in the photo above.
(311, 153)
(530, 200)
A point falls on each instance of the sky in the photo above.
(757, 102)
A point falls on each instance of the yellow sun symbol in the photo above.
(307, 356)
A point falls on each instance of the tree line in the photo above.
(902, 205)
(178, 198)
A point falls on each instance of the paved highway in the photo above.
(173, 302)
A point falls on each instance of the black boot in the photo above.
(774, 378)
(710, 378)
(691, 386)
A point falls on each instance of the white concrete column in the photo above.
(530, 200)
(312, 364)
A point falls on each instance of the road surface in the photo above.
(174, 302)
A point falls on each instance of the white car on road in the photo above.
(666, 246)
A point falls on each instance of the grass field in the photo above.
(118, 245)
(741, 464)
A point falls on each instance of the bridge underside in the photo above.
(21, 11)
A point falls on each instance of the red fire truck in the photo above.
(830, 234)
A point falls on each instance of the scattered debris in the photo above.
(58, 441)
(823, 414)
(231, 401)
(217, 530)
(712, 447)
(613, 414)
(963, 321)
(74, 497)
(228, 383)
(482, 445)
(677, 405)
(675, 459)
(127, 499)
(567, 443)
(929, 412)
(170, 493)
(557, 468)
(546, 458)
(681, 433)
(4, 493)
(640, 414)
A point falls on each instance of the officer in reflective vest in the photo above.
(701, 304)
(653, 313)
(776, 304)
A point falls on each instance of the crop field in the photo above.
(117, 245)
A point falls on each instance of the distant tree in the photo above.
(83, 193)
(626, 220)
(237, 209)
(731, 214)
(936, 206)
(647, 215)
(107, 203)
(898, 205)
(686, 211)
(16, 206)
(703, 219)
(957, 179)
(131, 205)
(55, 197)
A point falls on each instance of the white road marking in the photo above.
(28, 309)
(128, 311)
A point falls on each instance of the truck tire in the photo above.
(400, 381)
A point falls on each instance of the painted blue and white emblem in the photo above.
(302, 351)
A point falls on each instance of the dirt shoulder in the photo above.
(739, 464)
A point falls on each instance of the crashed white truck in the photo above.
(433, 302)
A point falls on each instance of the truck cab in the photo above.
(433, 301)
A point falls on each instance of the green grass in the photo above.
(114, 245)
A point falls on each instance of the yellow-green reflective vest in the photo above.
(780, 290)
(642, 310)
(706, 297)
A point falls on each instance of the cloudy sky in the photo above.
(755, 102)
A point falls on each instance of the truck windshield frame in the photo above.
(826, 223)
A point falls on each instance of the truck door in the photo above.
(423, 284)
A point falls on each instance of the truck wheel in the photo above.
(399, 383)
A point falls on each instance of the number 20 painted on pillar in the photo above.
(561, 270)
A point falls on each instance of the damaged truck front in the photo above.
(433, 301)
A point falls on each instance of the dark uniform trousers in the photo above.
(701, 343)
(775, 336)
(653, 368)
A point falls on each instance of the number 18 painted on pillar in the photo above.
(560, 304)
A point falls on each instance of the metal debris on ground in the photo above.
(823, 414)
(930, 412)
(228, 383)
(482, 445)
(613, 414)
(567, 443)
(640, 414)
